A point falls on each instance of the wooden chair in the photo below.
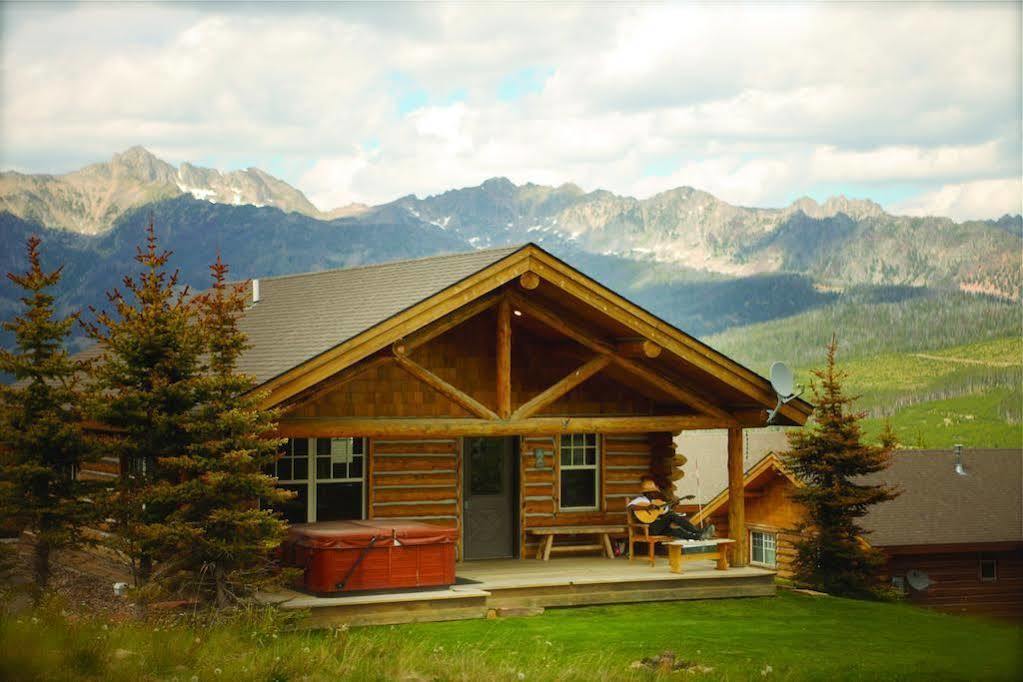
(640, 532)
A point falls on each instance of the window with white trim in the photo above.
(579, 472)
(326, 474)
(763, 548)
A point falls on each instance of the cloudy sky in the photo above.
(916, 106)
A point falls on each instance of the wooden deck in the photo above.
(511, 586)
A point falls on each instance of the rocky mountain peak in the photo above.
(832, 206)
(498, 186)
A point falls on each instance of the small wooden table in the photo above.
(677, 553)
(547, 542)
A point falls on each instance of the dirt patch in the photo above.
(81, 584)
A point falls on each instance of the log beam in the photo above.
(432, 331)
(638, 349)
(529, 280)
(677, 392)
(737, 499)
(562, 387)
(591, 340)
(504, 340)
(321, 427)
(444, 388)
(575, 332)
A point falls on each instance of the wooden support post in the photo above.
(504, 359)
(737, 498)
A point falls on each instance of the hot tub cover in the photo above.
(358, 534)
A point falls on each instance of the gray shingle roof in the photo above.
(938, 506)
(300, 316)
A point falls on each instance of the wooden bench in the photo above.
(547, 535)
(680, 551)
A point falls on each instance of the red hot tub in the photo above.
(377, 554)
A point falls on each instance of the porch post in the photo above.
(737, 499)
(504, 359)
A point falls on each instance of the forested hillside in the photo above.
(942, 368)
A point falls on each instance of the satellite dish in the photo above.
(918, 580)
(781, 379)
(783, 382)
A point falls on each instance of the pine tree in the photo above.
(147, 391)
(218, 541)
(41, 437)
(831, 460)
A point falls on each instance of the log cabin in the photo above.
(959, 536)
(498, 390)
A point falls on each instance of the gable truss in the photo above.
(522, 419)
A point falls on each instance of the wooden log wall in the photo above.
(665, 464)
(624, 458)
(956, 585)
(415, 479)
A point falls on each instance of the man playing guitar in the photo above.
(653, 508)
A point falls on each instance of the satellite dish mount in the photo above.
(782, 382)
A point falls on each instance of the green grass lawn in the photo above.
(799, 637)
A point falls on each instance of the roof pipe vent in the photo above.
(255, 291)
(960, 469)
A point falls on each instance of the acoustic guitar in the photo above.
(650, 513)
(653, 511)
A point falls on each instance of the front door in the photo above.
(489, 496)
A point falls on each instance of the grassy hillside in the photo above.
(944, 369)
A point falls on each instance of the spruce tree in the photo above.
(147, 392)
(42, 443)
(218, 541)
(831, 460)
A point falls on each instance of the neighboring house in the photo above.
(497, 391)
(953, 541)
(771, 514)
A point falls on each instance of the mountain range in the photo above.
(838, 243)
(695, 260)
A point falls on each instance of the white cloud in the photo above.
(755, 103)
(977, 200)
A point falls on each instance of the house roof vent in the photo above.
(255, 291)
(959, 468)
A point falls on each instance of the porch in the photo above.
(527, 586)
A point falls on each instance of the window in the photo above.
(292, 472)
(579, 472)
(762, 548)
(988, 570)
(326, 474)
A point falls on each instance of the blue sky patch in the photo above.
(518, 84)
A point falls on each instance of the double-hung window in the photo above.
(326, 474)
(763, 547)
(580, 472)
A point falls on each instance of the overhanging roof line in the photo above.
(529, 258)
